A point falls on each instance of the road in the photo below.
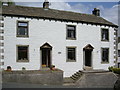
(23, 85)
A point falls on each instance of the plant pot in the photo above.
(43, 66)
(9, 68)
(52, 67)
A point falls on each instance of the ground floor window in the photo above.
(118, 53)
(22, 53)
(105, 55)
(71, 54)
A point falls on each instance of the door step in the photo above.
(87, 68)
(45, 68)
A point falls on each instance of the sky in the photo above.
(108, 9)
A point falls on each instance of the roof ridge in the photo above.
(55, 14)
(55, 10)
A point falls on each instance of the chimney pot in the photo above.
(46, 4)
(96, 12)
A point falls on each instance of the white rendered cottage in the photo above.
(35, 38)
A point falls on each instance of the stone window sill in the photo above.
(22, 60)
(22, 36)
(71, 60)
(71, 38)
(104, 62)
(105, 40)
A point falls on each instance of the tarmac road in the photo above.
(21, 85)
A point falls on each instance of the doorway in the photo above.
(46, 55)
(88, 58)
(88, 55)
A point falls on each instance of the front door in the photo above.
(46, 57)
(88, 58)
(88, 55)
(46, 50)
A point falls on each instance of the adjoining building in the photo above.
(35, 38)
(118, 61)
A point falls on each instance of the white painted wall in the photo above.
(54, 33)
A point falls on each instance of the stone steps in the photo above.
(76, 76)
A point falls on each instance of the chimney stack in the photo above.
(8, 3)
(46, 4)
(96, 12)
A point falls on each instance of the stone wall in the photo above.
(97, 80)
(47, 77)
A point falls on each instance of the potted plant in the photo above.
(43, 65)
(23, 68)
(9, 68)
(52, 67)
(110, 68)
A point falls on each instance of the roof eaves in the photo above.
(66, 20)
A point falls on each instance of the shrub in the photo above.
(110, 68)
(115, 70)
(23, 68)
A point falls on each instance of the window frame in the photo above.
(107, 40)
(23, 36)
(104, 62)
(17, 53)
(118, 53)
(68, 60)
(70, 38)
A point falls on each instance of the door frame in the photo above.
(90, 58)
(86, 48)
(45, 46)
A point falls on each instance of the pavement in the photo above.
(23, 85)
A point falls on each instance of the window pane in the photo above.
(22, 24)
(105, 34)
(22, 29)
(118, 53)
(105, 55)
(71, 32)
(71, 54)
(71, 27)
(22, 53)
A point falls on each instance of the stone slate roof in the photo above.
(52, 14)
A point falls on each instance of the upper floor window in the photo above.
(22, 29)
(105, 35)
(105, 55)
(71, 54)
(71, 32)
